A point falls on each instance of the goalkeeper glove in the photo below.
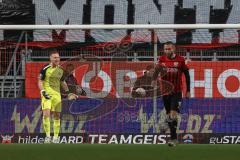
(45, 94)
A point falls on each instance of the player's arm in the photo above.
(135, 92)
(185, 70)
(79, 89)
(64, 86)
(63, 83)
(40, 84)
(187, 76)
(158, 69)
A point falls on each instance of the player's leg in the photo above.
(56, 110)
(173, 127)
(46, 108)
(56, 127)
(166, 103)
(175, 102)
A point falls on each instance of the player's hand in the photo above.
(72, 96)
(45, 94)
(80, 91)
(188, 95)
(141, 91)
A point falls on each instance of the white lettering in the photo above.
(194, 119)
(138, 139)
(124, 140)
(122, 83)
(238, 140)
(231, 35)
(120, 17)
(148, 139)
(206, 83)
(67, 124)
(47, 11)
(107, 82)
(221, 83)
(102, 139)
(149, 13)
(64, 139)
(92, 137)
(71, 139)
(146, 123)
(208, 121)
(21, 123)
(202, 16)
(212, 140)
(225, 139)
(162, 139)
(113, 140)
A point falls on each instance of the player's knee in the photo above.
(46, 113)
(56, 118)
(173, 114)
(56, 115)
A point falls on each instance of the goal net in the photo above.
(106, 64)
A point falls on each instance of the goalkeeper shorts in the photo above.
(54, 103)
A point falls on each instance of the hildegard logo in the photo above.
(7, 139)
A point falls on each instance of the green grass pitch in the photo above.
(118, 152)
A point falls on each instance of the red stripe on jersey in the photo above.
(174, 69)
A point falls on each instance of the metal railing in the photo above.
(141, 55)
(13, 72)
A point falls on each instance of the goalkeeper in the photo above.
(50, 79)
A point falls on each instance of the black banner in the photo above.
(16, 12)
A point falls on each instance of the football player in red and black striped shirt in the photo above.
(172, 66)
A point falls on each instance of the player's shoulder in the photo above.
(180, 58)
(162, 58)
(44, 71)
(45, 67)
(61, 68)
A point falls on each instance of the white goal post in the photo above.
(122, 26)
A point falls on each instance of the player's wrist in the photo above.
(67, 91)
(42, 91)
(45, 94)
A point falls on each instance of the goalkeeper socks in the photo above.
(56, 127)
(46, 125)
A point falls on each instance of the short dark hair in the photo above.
(52, 51)
(169, 43)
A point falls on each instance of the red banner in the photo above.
(103, 79)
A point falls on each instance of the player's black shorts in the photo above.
(172, 102)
